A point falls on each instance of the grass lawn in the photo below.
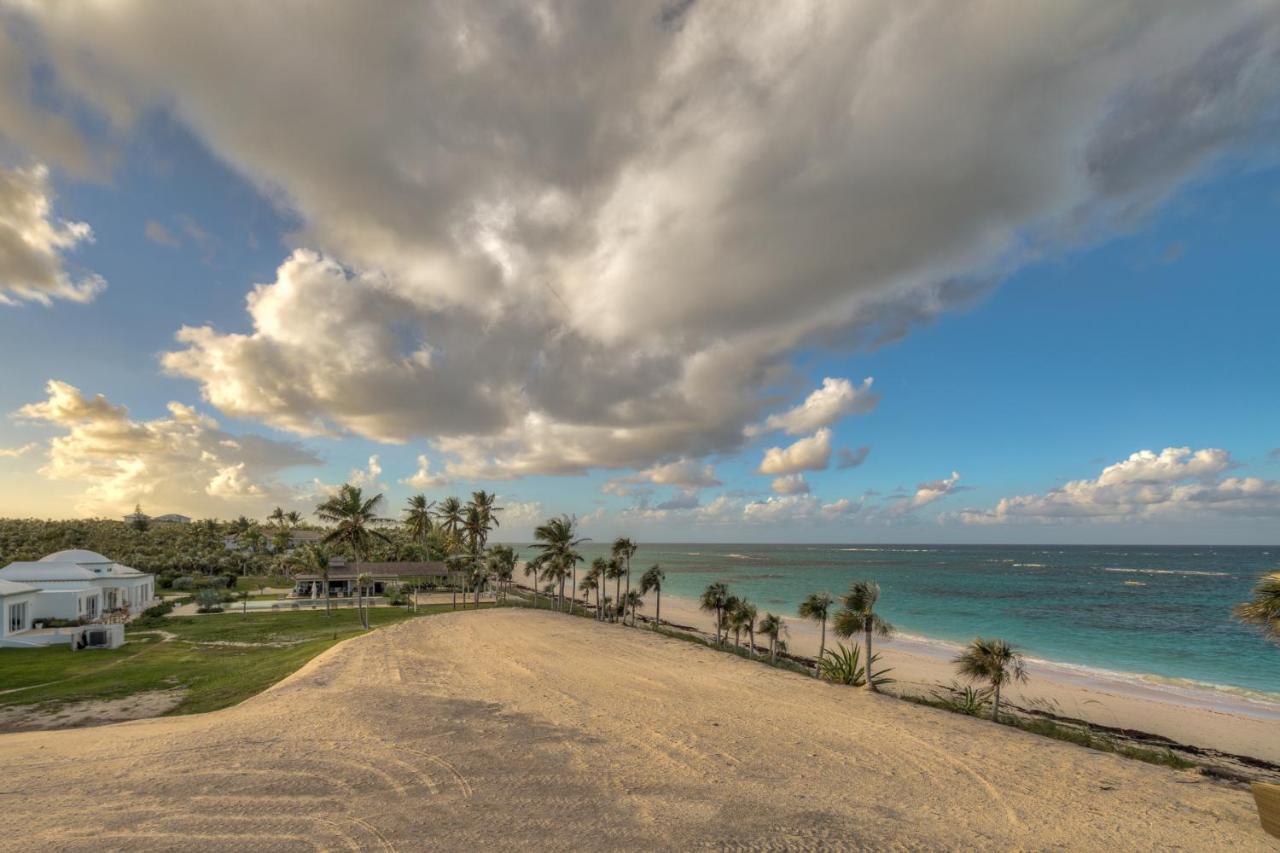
(260, 649)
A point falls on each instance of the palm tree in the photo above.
(293, 517)
(314, 560)
(363, 581)
(451, 518)
(591, 584)
(816, 608)
(634, 601)
(598, 575)
(713, 601)
(558, 543)
(488, 513)
(740, 617)
(418, 517)
(652, 580)
(624, 549)
(859, 614)
(502, 564)
(276, 517)
(995, 662)
(615, 573)
(353, 516)
(774, 628)
(745, 614)
(1264, 608)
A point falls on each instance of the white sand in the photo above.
(509, 729)
(1197, 717)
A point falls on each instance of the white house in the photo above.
(81, 584)
(17, 607)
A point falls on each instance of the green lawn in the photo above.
(214, 676)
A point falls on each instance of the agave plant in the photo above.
(963, 698)
(843, 665)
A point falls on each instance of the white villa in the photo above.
(69, 585)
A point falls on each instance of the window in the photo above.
(17, 617)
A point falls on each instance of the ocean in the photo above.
(1162, 613)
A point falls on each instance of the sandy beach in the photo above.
(1201, 718)
(516, 729)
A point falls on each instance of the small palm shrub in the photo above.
(963, 699)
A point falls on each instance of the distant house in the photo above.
(73, 585)
(342, 577)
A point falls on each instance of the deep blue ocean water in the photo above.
(1155, 611)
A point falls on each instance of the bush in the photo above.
(156, 611)
(208, 601)
(183, 584)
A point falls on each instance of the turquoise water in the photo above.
(1161, 611)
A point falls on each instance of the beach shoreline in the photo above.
(1197, 717)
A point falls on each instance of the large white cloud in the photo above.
(576, 235)
(1176, 482)
(807, 454)
(183, 462)
(32, 243)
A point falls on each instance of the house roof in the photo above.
(8, 587)
(42, 571)
(76, 555)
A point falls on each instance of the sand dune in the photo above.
(515, 729)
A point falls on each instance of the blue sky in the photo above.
(1112, 322)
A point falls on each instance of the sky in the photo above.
(690, 271)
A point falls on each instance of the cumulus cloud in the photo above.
(366, 478)
(542, 276)
(423, 478)
(1148, 485)
(181, 462)
(927, 493)
(807, 454)
(687, 474)
(852, 458)
(791, 484)
(835, 399)
(33, 243)
(15, 452)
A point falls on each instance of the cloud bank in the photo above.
(33, 243)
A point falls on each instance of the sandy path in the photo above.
(515, 729)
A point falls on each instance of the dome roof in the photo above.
(76, 555)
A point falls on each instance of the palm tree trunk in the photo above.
(573, 598)
(995, 704)
(751, 638)
(871, 685)
(617, 595)
(624, 613)
(328, 612)
(657, 614)
(822, 644)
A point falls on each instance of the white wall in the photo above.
(17, 598)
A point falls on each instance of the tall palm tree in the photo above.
(293, 517)
(485, 504)
(736, 618)
(859, 614)
(623, 550)
(314, 560)
(652, 580)
(775, 629)
(995, 662)
(451, 518)
(531, 568)
(615, 573)
(1264, 608)
(277, 517)
(816, 608)
(558, 541)
(713, 601)
(591, 584)
(353, 516)
(418, 517)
